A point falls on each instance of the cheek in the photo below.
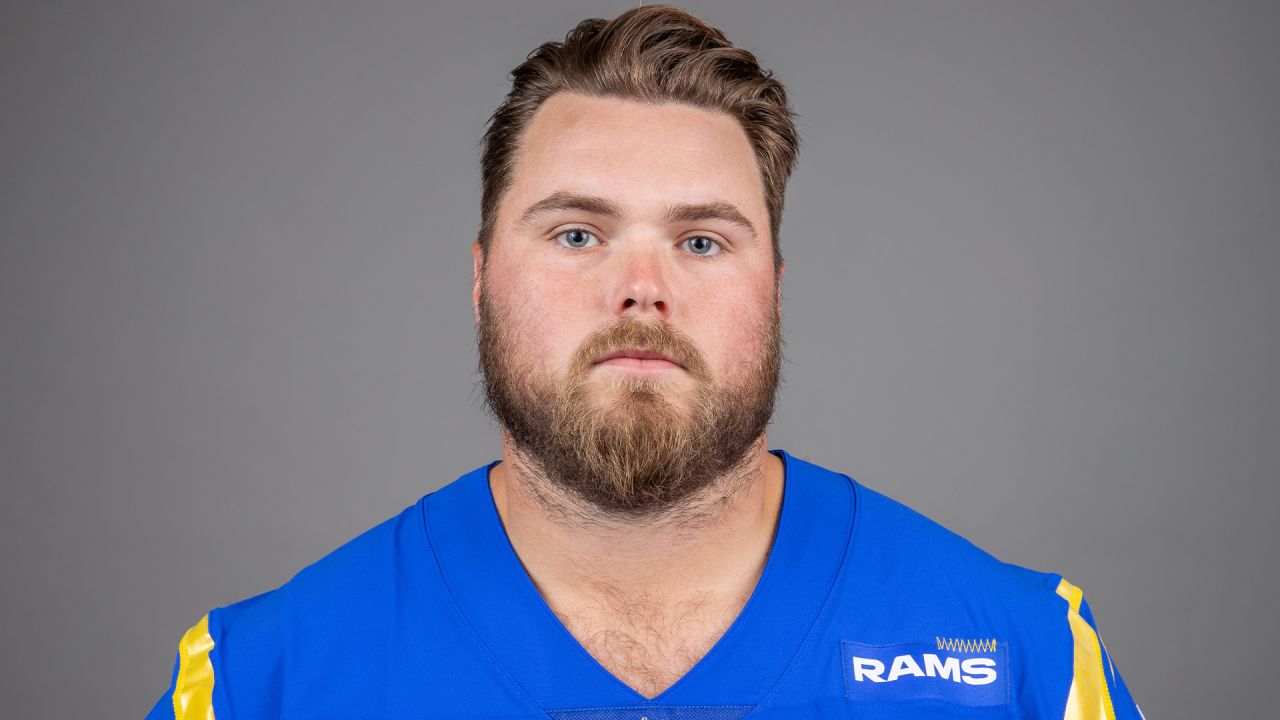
(733, 333)
(544, 318)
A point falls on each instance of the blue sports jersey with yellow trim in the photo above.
(865, 609)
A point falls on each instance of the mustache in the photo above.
(628, 333)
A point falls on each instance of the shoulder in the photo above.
(891, 541)
(908, 579)
(337, 633)
(356, 575)
(328, 619)
(906, 541)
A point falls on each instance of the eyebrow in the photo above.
(558, 201)
(718, 210)
(684, 212)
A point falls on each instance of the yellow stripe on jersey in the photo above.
(1088, 698)
(193, 690)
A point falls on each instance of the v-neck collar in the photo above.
(530, 645)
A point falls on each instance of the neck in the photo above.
(713, 545)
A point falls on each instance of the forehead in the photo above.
(637, 154)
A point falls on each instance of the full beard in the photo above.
(634, 454)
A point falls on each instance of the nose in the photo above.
(641, 287)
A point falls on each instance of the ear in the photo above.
(477, 268)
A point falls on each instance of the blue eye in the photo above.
(704, 246)
(576, 239)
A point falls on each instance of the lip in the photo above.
(638, 358)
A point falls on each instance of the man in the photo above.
(637, 552)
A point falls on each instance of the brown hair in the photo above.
(652, 53)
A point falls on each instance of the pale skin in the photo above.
(647, 598)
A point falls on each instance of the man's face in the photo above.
(628, 307)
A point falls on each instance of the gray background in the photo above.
(1031, 290)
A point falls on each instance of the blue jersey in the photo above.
(864, 609)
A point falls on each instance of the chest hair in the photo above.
(649, 645)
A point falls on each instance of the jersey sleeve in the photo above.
(163, 709)
(1097, 690)
(190, 693)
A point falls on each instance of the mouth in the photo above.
(639, 359)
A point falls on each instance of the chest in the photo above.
(649, 647)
